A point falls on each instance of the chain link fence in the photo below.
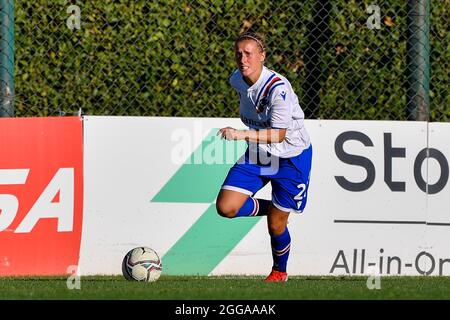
(6, 58)
(346, 59)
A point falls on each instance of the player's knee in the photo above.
(225, 210)
(275, 229)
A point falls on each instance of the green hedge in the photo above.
(173, 58)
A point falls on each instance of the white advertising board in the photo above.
(152, 181)
(438, 201)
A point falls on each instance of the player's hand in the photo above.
(228, 133)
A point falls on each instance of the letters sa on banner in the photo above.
(41, 195)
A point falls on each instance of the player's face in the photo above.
(249, 59)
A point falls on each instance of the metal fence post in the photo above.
(418, 60)
(6, 58)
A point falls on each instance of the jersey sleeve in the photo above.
(281, 113)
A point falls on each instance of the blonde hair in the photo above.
(258, 38)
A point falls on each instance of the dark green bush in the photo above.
(173, 58)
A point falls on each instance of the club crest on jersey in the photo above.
(268, 88)
(262, 104)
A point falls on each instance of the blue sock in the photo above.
(253, 207)
(281, 246)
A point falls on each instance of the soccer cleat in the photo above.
(277, 276)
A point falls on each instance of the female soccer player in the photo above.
(279, 150)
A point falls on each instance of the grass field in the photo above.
(226, 288)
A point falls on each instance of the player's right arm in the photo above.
(270, 135)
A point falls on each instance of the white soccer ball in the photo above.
(142, 264)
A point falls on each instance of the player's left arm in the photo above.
(280, 118)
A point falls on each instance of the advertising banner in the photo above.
(377, 202)
(41, 195)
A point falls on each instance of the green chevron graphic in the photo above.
(211, 238)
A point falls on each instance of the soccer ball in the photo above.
(142, 264)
